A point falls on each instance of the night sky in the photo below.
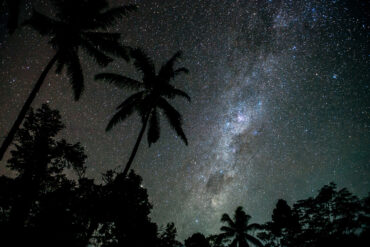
(280, 103)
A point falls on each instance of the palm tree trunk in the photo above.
(9, 138)
(133, 153)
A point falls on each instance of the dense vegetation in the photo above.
(42, 206)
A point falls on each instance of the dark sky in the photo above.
(280, 103)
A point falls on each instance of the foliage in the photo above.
(237, 230)
(197, 240)
(81, 24)
(125, 213)
(40, 160)
(77, 24)
(168, 237)
(42, 206)
(13, 7)
(38, 154)
(333, 217)
(154, 91)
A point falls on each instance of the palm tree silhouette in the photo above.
(74, 28)
(154, 89)
(238, 229)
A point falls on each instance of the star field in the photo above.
(280, 103)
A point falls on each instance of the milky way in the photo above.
(280, 103)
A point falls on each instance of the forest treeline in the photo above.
(51, 202)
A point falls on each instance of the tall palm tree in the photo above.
(78, 24)
(154, 90)
(238, 230)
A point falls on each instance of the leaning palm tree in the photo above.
(78, 24)
(238, 230)
(154, 90)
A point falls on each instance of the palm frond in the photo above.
(226, 218)
(143, 63)
(119, 81)
(239, 210)
(253, 240)
(136, 98)
(254, 226)
(227, 229)
(234, 243)
(112, 16)
(154, 129)
(119, 117)
(221, 237)
(66, 6)
(181, 70)
(13, 9)
(146, 105)
(60, 62)
(109, 46)
(74, 72)
(102, 35)
(181, 93)
(116, 49)
(240, 214)
(125, 109)
(174, 118)
(41, 23)
(102, 59)
(166, 72)
(82, 11)
(171, 92)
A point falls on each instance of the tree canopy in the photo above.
(44, 205)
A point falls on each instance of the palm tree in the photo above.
(238, 229)
(153, 91)
(78, 24)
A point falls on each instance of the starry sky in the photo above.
(280, 103)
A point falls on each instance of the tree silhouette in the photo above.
(39, 159)
(41, 206)
(197, 240)
(124, 213)
(215, 241)
(154, 89)
(364, 220)
(78, 25)
(58, 221)
(168, 237)
(89, 205)
(283, 228)
(238, 229)
(13, 13)
(332, 218)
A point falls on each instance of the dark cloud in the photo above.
(217, 181)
